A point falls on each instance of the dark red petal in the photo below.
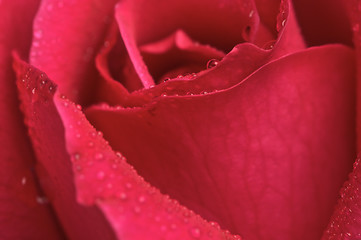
(324, 21)
(47, 134)
(346, 220)
(237, 157)
(24, 213)
(135, 209)
(67, 36)
(354, 9)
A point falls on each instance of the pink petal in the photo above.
(236, 156)
(67, 36)
(24, 213)
(221, 24)
(134, 209)
(177, 55)
(46, 131)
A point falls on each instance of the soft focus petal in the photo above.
(67, 35)
(47, 134)
(237, 157)
(24, 213)
(324, 21)
(354, 8)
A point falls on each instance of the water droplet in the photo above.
(41, 200)
(141, 199)
(77, 135)
(23, 181)
(33, 91)
(49, 7)
(137, 209)
(38, 33)
(180, 76)
(99, 156)
(66, 104)
(128, 185)
(356, 27)
(157, 219)
(123, 196)
(283, 23)
(91, 144)
(100, 134)
(166, 79)
(212, 63)
(173, 226)
(100, 175)
(250, 13)
(195, 232)
(76, 156)
(36, 44)
(78, 106)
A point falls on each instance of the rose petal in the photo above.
(139, 23)
(23, 211)
(346, 220)
(93, 162)
(354, 8)
(226, 74)
(66, 40)
(237, 157)
(135, 209)
(177, 55)
(324, 21)
(47, 134)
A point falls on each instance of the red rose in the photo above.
(179, 119)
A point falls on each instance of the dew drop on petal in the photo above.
(212, 63)
(137, 209)
(38, 33)
(41, 200)
(23, 181)
(76, 156)
(141, 199)
(99, 156)
(173, 226)
(123, 196)
(49, 7)
(195, 233)
(163, 228)
(100, 175)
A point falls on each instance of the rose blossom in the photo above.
(179, 119)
